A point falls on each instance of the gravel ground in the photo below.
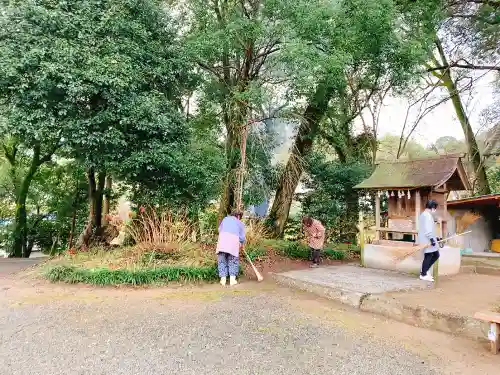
(9, 266)
(251, 329)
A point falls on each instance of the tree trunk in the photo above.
(481, 181)
(76, 201)
(107, 197)
(19, 246)
(72, 230)
(95, 197)
(302, 146)
(228, 198)
(98, 205)
(84, 239)
(234, 122)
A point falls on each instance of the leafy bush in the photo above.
(105, 276)
(297, 250)
(334, 254)
(332, 198)
(293, 229)
(256, 252)
(208, 223)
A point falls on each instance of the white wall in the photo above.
(480, 237)
(382, 257)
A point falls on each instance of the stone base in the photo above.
(348, 284)
(382, 257)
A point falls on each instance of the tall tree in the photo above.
(232, 42)
(99, 80)
(366, 39)
(467, 42)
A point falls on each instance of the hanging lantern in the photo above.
(387, 194)
(409, 195)
(379, 193)
(392, 193)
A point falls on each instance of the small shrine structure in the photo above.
(407, 185)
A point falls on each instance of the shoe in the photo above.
(426, 278)
(232, 280)
(223, 281)
(314, 265)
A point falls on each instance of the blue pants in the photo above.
(227, 264)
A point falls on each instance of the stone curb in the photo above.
(421, 316)
(391, 308)
(346, 297)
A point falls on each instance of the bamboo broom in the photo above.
(415, 249)
(462, 223)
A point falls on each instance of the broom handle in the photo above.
(455, 235)
(425, 246)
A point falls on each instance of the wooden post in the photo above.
(494, 337)
(361, 228)
(435, 272)
(377, 216)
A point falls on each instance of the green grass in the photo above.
(296, 250)
(256, 252)
(105, 276)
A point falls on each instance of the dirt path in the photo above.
(251, 329)
(463, 294)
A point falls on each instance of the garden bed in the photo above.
(281, 255)
(179, 263)
(134, 266)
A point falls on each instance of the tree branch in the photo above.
(464, 66)
(210, 69)
(491, 3)
(475, 17)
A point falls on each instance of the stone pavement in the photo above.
(448, 306)
(348, 283)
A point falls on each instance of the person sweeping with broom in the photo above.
(427, 236)
(315, 236)
(231, 238)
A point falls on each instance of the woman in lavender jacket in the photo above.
(231, 237)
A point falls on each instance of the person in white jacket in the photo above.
(427, 236)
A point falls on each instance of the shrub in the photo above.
(104, 276)
(256, 253)
(255, 232)
(161, 230)
(334, 254)
(293, 229)
(297, 250)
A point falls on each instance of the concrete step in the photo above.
(467, 269)
(345, 296)
(373, 291)
(348, 284)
